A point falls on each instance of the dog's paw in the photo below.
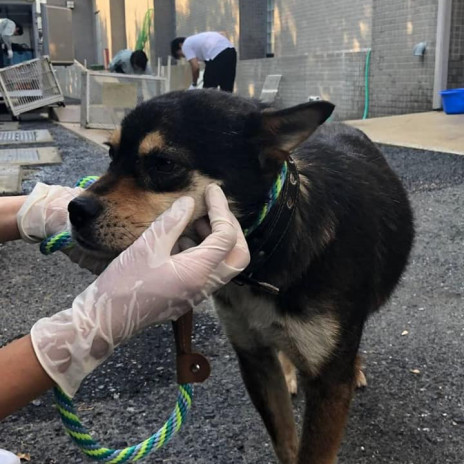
(289, 371)
(292, 384)
(360, 380)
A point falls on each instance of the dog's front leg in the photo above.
(265, 382)
(326, 413)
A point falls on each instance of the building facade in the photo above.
(323, 47)
(347, 51)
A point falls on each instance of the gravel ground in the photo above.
(411, 413)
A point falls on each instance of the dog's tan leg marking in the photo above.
(360, 380)
(289, 371)
(326, 413)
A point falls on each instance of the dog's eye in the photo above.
(163, 165)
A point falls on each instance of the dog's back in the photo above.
(371, 220)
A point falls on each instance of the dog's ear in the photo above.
(291, 126)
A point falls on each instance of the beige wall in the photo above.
(321, 26)
(193, 16)
(135, 12)
(103, 26)
(119, 23)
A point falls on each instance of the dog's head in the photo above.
(176, 145)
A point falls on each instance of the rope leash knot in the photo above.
(67, 411)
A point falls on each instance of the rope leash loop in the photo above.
(92, 449)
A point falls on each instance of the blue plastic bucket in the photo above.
(453, 101)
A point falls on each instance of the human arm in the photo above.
(9, 207)
(23, 377)
(195, 68)
(143, 286)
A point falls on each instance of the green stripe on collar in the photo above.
(272, 197)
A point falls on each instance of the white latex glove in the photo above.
(144, 285)
(193, 87)
(10, 54)
(45, 213)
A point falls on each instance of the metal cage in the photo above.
(108, 97)
(29, 85)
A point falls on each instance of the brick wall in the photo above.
(303, 26)
(400, 82)
(336, 76)
(320, 49)
(456, 58)
(193, 16)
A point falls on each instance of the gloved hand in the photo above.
(10, 54)
(45, 213)
(192, 87)
(144, 285)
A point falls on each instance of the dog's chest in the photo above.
(245, 314)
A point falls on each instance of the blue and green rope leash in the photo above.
(64, 404)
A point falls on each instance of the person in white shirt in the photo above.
(128, 62)
(8, 28)
(218, 54)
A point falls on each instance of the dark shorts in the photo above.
(221, 71)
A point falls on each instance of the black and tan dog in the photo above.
(329, 227)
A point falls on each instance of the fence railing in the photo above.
(106, 98)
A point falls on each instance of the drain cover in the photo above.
(23, 156)
(25, 136)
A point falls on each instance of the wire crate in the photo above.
(29, 85)
(108, 97)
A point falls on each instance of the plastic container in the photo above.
(453, 101)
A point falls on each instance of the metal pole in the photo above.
(440, 80)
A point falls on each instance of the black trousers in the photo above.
(221, 71)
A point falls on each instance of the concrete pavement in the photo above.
(434, 130)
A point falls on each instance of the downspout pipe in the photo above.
(440, 80)
(366, 83)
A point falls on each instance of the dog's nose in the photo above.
(82, 210)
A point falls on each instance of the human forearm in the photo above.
(23, 378)
(9, 207)
(195, 67)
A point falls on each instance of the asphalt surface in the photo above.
(412, 411)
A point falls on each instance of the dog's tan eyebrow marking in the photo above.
(115, 138)
(152, 141)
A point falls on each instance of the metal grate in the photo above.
(24, 136)
(29, 85)
(19, 155)
(26, 156)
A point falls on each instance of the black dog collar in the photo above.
(268, 236)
